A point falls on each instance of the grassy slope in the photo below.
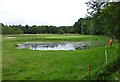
(27, 64)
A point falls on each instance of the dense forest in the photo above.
(103, 18)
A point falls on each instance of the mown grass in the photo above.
(25, 64)
(56, 37)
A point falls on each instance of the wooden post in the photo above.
(106, 56)
(88, 70)
(96, 43)
(110, 42)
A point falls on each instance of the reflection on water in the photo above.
(53, 45)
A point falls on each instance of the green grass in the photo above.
(115, 75)
(25, 64)
(0, 58)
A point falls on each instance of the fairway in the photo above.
(25, 64)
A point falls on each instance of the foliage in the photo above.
(19, 29)
(104, 19)
(11, 30)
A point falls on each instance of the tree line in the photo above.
(103, 18)
(19, 29)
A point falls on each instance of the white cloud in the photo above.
(42, 12)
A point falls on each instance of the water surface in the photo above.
(54, 45)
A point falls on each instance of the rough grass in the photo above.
(25, 64)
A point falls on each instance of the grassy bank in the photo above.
(25, 64)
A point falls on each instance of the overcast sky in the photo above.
(42, 12)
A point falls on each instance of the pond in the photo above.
(54, 45)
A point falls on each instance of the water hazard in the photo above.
(54, 45)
